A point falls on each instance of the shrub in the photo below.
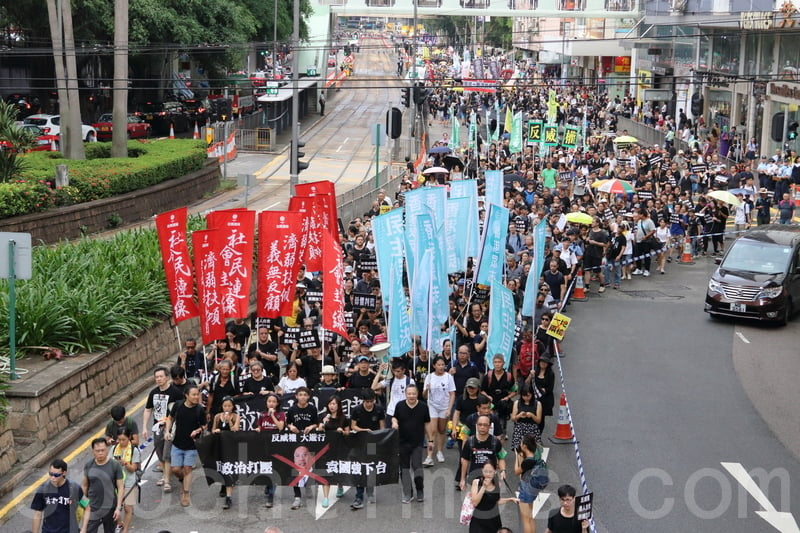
(100, 176)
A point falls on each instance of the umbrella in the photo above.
(742, 190)
(625, 139)
(598, 183)
(436, 170)
(579, 218)
(615, 186)
(440, 150)
(726, 197)
(451, 161)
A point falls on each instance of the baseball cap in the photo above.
(474, 382)
(362, 358)
(348, 269)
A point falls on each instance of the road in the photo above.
(662, 396)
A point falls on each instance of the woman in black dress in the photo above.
(545, 380)
(485, 494)
(526, 414)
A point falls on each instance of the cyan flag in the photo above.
(501, 324)
(493, 251)
(532, 283)
(494, 187)
(425, 268)
(456, 224)
(389, 233)
(468, 189)
(515, 141)
(399, 322)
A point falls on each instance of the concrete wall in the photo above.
(91, 217)
(59, 395)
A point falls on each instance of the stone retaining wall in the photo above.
(91, 217)
(60, 394)
(8, 454)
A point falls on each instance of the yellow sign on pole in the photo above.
(558, 326)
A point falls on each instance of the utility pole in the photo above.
(294, 171)
(119, 134)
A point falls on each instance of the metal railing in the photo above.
(358, 200)
(255, 140)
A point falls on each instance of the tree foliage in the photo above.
(13, 141)
(461, 31)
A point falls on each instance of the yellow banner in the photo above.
(558, 326)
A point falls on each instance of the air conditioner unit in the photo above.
(677, 7)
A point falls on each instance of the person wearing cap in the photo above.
(329, 379)
(363, 377)
(764, 173)
(465, 405)
(763, 206)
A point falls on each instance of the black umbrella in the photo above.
(451, 161)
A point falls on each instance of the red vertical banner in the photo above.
(332, 286)
(207, 245)
(171, 228)
(313, 209)
(238, 229)
(322, 188)
(279, 259)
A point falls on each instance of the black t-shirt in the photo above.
(465, 407)
(160, 401)
(58, 506)
(368, 419)
(186, 420)
(302, 417)
(411, 422)
(558, 523)
(255, 387)
(311, 369)
(478, 453)
(357, 381)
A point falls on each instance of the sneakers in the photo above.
(325, 502)
(420, 496)
(228, 503)
(637, 272)
(646, 273)
(270, 501)
(616, 286)
(450, 444)
(297, 503)
(440, 457)
(428, 461)
(339, 492)
(222, 492)
(357, 504)
(407, 499)
(602, 289)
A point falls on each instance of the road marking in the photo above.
(783, 522)
(273, 205)
(319, 510)
(744, 339)
(277, 161)
(343, 143)
(539, 502)
(81, 448)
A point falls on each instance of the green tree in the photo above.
(13, 142)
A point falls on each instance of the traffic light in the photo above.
(394, 123)
(776, 131)
(420, 92)
(792, 133)
(297, 154)
(405, 96)
(697, 104)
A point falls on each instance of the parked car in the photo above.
(51, 125)
(43, 141)
(759, 276)
(137, 128)
(160, 115)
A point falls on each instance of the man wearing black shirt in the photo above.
(159, 402)
(302, 417)
(362, 378)
(191, 360)
(410, 417)
(564, 520)
(267, 351)
(366, 417)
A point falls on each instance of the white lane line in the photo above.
(545, 453)
(744, 339)
(342, 145)
(273, 205)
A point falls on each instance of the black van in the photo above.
(759, 276)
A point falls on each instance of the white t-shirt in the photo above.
(398, 392)
(440, 389)
(289, 386)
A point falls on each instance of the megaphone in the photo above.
(380, 350)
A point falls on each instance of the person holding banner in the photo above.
(272, 419)
(564, 519)
(227, 420)
(333, 420)
(302, 417)
(290, 382)
(367, 417)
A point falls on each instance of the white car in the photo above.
(51, 125)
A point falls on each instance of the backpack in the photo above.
(113, 429)
(537, 477)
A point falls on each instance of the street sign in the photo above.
(378, 136)
(311, 70)
(272, 88)
(22, 255)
